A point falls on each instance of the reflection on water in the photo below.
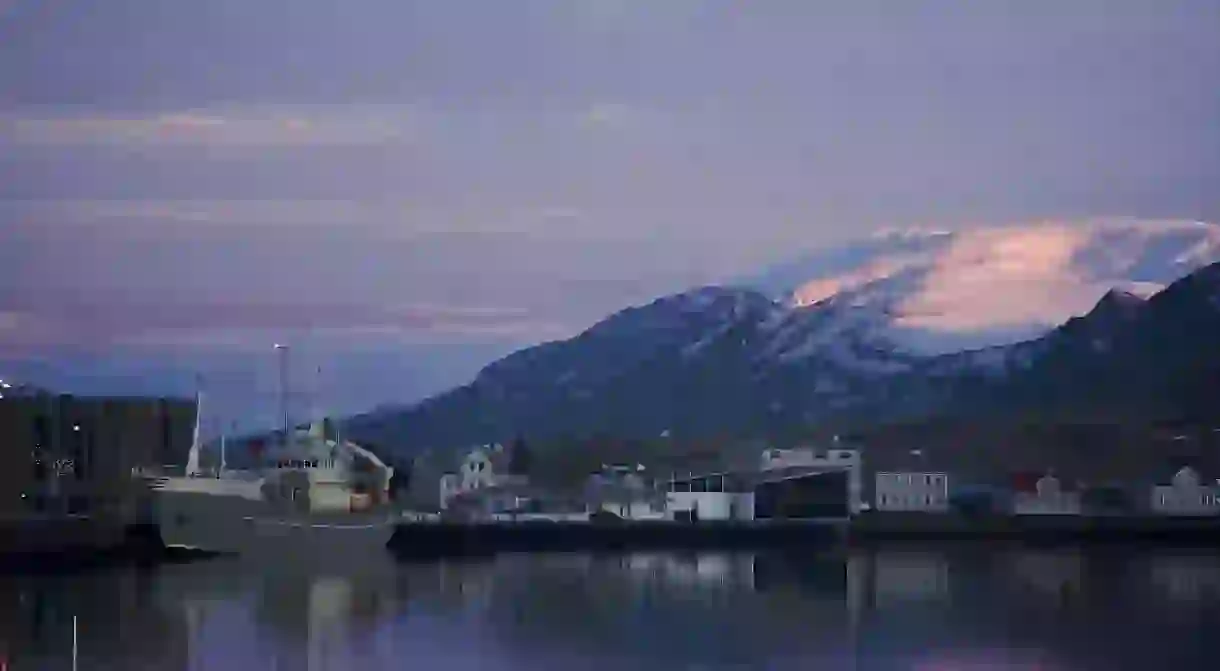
(939, 608)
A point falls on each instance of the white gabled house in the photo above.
(1186, 495)
(1048, 496)
(484, 469)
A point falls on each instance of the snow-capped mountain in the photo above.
(934, 292)
(896, 325)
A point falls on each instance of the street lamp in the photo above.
(282, 350)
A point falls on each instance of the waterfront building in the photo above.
(451, 486)
(1047, 496)
(1186, 494)
(710, 496)
(807, 460)
(793, 484)
(72, 465)
(906, 491)
(625, 493)
(77, 455)
(484, 467)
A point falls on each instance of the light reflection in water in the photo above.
(890, 609)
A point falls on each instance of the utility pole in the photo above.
(282, 350)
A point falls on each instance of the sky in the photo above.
(406, 189)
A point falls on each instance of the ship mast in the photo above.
(192, 459)
(220, 471)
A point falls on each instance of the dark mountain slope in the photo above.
(676, 364)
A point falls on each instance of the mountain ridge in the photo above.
(736, 360)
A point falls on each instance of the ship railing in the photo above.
(170, 471)
(159, 471)
(419, 517)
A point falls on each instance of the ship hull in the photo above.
(241, 526)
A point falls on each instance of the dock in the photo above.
(1155, 529)
(445, 539)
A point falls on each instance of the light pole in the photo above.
(282, 350)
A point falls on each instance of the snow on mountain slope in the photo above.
(934, 292)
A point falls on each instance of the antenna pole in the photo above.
(283, 361)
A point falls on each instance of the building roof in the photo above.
(1168, 475)
(788, 473)
(500, 456)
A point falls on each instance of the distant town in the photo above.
(492, 482)
(88, 470)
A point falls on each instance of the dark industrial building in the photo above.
(801, 495)
(67, 455)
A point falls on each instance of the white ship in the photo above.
(312, 498)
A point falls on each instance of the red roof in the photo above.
(1026, 482)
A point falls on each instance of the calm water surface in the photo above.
(912, 608)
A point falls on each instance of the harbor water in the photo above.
(909, 607)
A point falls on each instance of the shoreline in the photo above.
(141, 545)
(452, 539)
(1036, 528)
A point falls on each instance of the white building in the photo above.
(1186, 494)
(1049, 497)
(833, 459)
(451, 486)
(715, 496)
(486, 467)
(911, 492)
(625, 494)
